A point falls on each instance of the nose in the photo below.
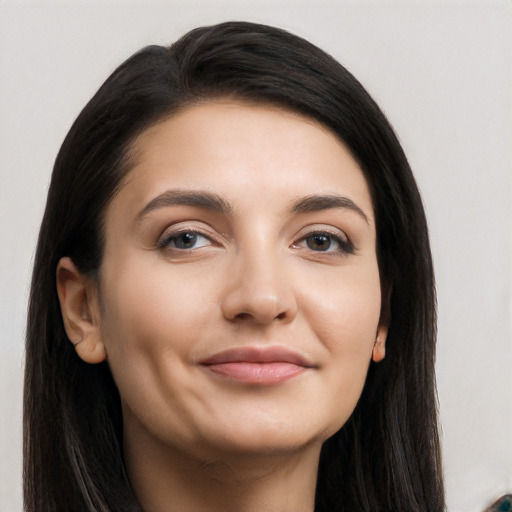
(258, 290)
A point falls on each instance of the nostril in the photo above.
(243, 316)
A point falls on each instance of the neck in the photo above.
(167, 480)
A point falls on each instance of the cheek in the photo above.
(344, 315)
(344, 309)
(150, 320)
(146, 302)
(151, 323)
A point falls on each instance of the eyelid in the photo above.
(174, 231)
(174, 237)
(322, 228)
(346, 246)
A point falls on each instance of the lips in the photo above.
(260, 366)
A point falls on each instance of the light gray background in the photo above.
(441, 70)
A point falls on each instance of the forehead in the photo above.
(237, 149)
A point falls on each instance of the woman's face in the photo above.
(240, 293)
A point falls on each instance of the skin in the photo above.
(258, 275)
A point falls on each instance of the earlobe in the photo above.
(80, 312)
(91, 350)
(379, 347)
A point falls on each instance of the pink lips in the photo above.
(265, 366)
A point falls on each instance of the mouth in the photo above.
(258, 366)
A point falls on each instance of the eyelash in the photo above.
(165, 241)
(344, 245)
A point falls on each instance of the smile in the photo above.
(268, 366)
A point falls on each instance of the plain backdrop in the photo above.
(442, 72)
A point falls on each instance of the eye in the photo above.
(184, 240)
(319, 242)
(323, 241)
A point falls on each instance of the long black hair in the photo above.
(387, 456)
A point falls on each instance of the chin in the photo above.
(254, 438)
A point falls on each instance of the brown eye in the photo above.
(185, 240)
(326, 242)
(319, 242)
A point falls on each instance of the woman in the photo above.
(232, 303)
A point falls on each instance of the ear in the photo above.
(80, 311)
(379, 347)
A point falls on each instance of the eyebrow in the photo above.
(316, 203)
(216, 203)
(198, 198)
